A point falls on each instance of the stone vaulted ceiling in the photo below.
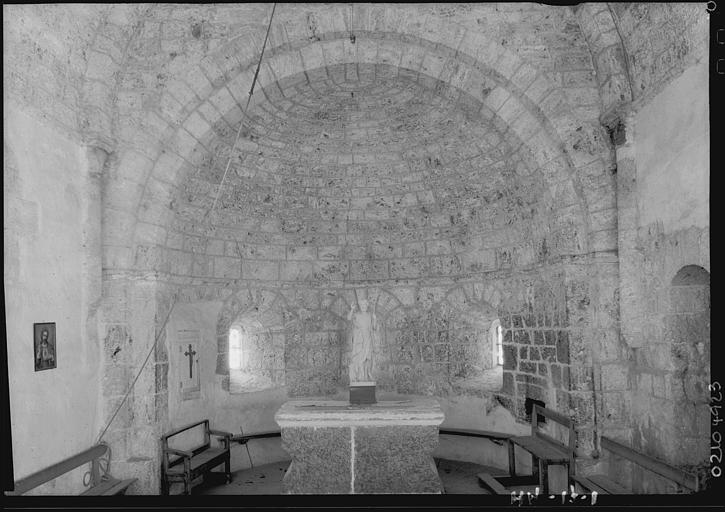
(357, 163)
(439, 140)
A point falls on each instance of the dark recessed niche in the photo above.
(529, 407)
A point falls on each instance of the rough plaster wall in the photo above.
(51, 232)
(663, 198)
(672, 154)
(673, 199)
(57, 95)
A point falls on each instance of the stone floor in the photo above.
(458, 478)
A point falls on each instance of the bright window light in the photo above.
(235, 348)
(499, 345)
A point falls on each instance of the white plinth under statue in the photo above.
(340, 448)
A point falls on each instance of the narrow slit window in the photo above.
(235, 348)
(499, 345)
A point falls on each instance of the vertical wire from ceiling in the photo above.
(346, 247)
(616, 22)
(241, 122)
(168, 315)
(352, 32)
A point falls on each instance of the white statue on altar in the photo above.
(364, 334)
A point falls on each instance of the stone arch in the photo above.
(308, 341)
(316, 344)
(386, 301)
(488, 292)
(259, 348)
(148, 222)
(599, 26)
(691, 275)
(468, 305)
(246, 307)
(434, 346)
(147, 227)
(482, 314)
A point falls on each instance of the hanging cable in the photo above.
(246, 445)
(352, 33)
(615, 21)
(241, 123)
(226, 170)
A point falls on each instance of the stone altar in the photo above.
(381, 448)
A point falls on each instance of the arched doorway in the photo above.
(687, 327)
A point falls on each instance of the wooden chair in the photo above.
(544, 450)
(605, 485)
(101, 483)
(190, 465)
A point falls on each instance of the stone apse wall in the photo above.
(456, 185)
(436, 340)
(451, 161)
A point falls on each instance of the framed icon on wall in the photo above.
(44, 342)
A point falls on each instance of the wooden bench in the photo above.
(499, 438)
(490, 481)
(101, 483)
(544, 450)
(605, 485)
(188, 465)
(496, 437)
(245, 438)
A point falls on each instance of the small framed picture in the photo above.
(44, 341)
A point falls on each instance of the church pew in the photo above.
(489, 481)
(496, 437)
(488, 434)
(544, 450)
(605, 485)
(101, 483)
